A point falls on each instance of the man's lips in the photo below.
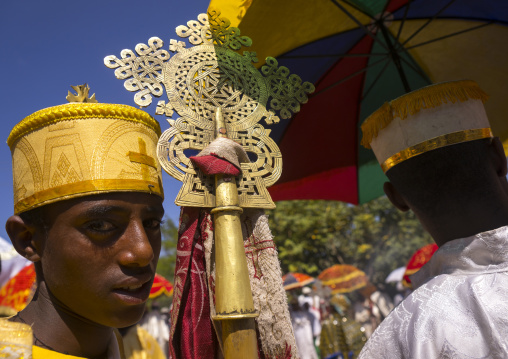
(134, 290)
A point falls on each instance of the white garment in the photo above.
(364, 316)
(370, 312)
(382, 304)
(155, 324)
(313, 303)
(397, 299)
(459, 309)
(302, 327)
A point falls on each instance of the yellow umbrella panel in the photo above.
(343, 278)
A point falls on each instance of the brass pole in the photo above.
(233, 297)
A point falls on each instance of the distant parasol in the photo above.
(161, 286)
(18, 291)
(296, 280)
(343, 278)
(417, 261)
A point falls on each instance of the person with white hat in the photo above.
(442, 161)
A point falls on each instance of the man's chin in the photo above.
(126, 318)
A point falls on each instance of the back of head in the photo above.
(436, 147)
(447, 180)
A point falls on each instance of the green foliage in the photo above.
(167, 259)
(314, 235)
(375, 237)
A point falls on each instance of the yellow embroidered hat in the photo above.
(435, 116)
(83, 148)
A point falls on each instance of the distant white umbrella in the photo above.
(396, 275)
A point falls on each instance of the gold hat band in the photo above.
(435, 143)
(87, 188)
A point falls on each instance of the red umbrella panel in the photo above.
(18, 291)
(417, 261)
(343, 278)
(160, 286)
(296, 280)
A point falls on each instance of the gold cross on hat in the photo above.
(143, 159)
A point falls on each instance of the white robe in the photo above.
(459, 309)
(302, 327)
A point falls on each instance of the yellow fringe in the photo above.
(411, 103)
(75, 111)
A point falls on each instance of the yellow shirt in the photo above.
(115, 351)
(40, 353)
(139, 344)
(16, 338)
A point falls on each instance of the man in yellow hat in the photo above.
(88, 207)
(437, 149)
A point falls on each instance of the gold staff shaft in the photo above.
(233, 297)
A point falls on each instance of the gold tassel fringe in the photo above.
(79, 111)
(411, 103)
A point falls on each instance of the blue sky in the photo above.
(46, 46)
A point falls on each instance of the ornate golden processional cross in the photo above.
(198, 80)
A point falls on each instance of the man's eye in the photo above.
(152, 223)
(100, 226)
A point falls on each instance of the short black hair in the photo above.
(36, 217)
(458, 172)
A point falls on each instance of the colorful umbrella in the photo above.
(18, 290)
(160, 286)
(418, 259)
(296, 280)
(343, 278)
(360, 54)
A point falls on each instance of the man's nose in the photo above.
(137, 250)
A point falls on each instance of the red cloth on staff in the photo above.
(192, 333)
(212, 165)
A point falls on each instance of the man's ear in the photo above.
(395, 197)
(22, 238)
(498, 157)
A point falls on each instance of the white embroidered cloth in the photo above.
(459, 309)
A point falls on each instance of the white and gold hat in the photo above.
(80, 149)
(426, 119)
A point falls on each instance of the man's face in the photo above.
(100, 254)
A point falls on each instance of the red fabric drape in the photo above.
(192, 333)
(212, 165)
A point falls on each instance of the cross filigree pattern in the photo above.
(200, 79)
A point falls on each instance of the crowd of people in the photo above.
(337, 325)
